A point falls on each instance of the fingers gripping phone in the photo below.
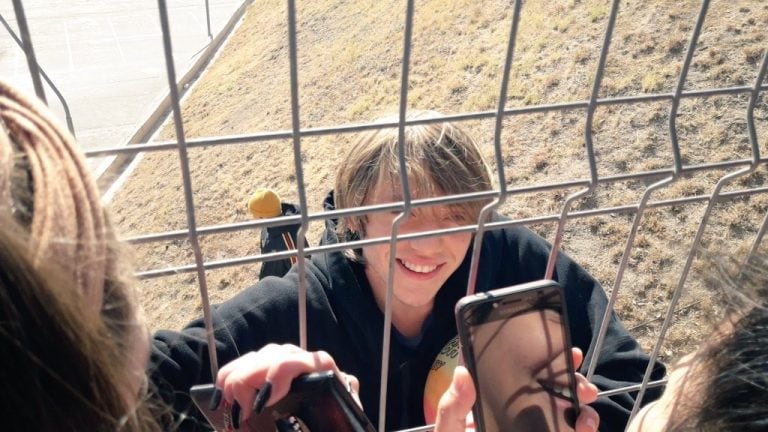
(316, 402)
(516, 345)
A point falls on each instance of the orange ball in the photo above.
(440, 377)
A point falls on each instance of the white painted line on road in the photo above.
(117, 41)
(199, 24)
(118, 183)
(69, 48)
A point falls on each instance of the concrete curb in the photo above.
(111, 172)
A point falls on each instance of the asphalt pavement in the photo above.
(106, 58)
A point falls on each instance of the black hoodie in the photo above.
(344, 320)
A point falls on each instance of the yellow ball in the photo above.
(264, 203)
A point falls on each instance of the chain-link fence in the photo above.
(641, 208)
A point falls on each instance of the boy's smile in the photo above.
(421, 265)
(416, 268)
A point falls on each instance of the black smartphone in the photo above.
(316, 402)
(516, 345)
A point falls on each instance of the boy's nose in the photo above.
(426, 243)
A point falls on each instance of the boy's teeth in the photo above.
(419, 268)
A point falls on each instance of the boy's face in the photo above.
(421, 266)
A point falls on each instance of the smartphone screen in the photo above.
(516, 345)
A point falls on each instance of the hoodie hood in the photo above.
(330, 235)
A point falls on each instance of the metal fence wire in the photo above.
(569, 213)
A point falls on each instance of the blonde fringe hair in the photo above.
(440, 159)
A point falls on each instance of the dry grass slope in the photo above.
(350, 61)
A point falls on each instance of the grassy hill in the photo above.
(349, 56)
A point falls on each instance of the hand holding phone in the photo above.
(516, 345)
(316, 402)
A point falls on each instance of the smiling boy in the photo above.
(346, 291)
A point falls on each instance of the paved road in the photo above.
(106, 57)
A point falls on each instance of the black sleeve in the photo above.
(263, 313)
(621, 361)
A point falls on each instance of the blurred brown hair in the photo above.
(730, 385)
(73, 338)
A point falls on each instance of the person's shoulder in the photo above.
(515, 233)
(315, 276)
(514, 242)
(275, 290)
